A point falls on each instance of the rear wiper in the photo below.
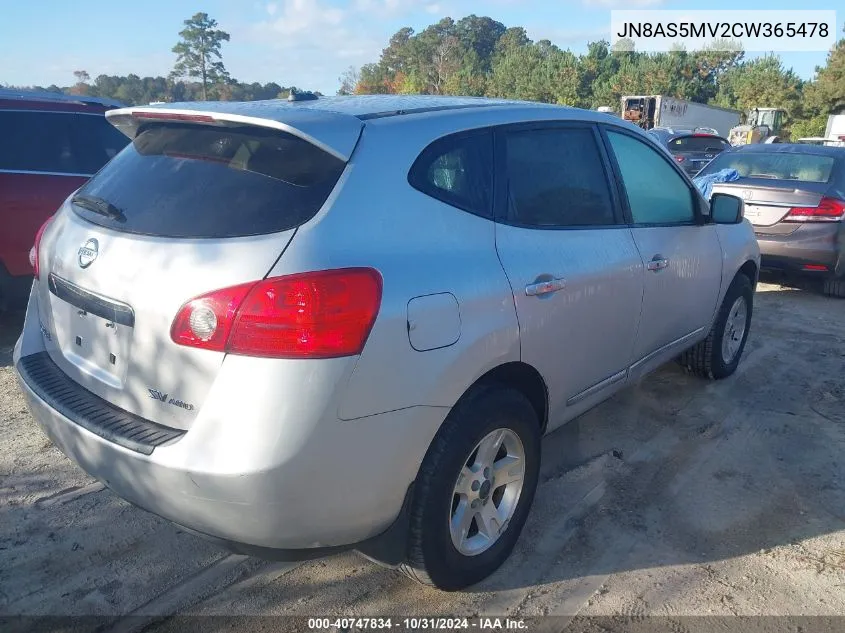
(98, 205)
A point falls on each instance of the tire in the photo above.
(707, 358)
(432, 555)
(834, 287)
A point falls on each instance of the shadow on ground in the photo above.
(672, 471)
(11, 324)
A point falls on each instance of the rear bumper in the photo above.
(318, 484)
(813, 244)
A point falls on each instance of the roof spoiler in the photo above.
(332, 132)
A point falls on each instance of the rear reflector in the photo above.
(35, 251)
(174, 116)
(829, 210)
(325, 314)
(815, 267)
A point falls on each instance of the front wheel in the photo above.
(474, 489)
(718, 355)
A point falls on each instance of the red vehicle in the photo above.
(50, 144)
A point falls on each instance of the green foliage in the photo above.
(761, 82)
(480, 56)
(198, 53)
(829, 92)
(805, 128)
(536, 72)
(135, 90)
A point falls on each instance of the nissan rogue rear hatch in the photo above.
(185, 209)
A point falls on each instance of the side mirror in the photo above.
(726, 209)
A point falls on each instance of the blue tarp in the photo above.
(705, 183)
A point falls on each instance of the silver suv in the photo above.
(298, 328)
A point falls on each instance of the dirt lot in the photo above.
(676, 498)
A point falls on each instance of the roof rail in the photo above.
(44, 95)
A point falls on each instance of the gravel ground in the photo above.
(676, 498)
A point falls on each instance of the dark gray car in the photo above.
(795, 199)
(691, 149)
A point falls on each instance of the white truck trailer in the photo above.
(650, 111)
(835, 128)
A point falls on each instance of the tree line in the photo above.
(198, 74)
(480, 56)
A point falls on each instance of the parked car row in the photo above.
(795, 200)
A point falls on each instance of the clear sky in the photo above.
(306, 43)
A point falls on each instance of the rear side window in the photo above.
(556, 178)
(57, 142)
(698, 144)
(457, 170)
(776, 166)
(192, 181)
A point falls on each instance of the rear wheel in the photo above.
(718, 355)
(834, 287)
(474, 489)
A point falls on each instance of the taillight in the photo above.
(829, 210)
(35, 251)
(679, 159)
(325, 314)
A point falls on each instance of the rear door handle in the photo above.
(544, 287)
(657, 262)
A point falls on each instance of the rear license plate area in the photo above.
(97, 343)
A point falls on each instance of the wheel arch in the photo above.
(522, 377)
(750, 270)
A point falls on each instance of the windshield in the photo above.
(767, 118)
(775, 166)
(180, 180)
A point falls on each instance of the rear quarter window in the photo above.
(192, 181)
(57, 142)
(458, 170)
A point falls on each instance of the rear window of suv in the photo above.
(192, 181)
(698, 144)
(65, 143)
(774, 166)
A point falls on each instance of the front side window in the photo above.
(457, 170)
(556, 178)
(657, 194)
